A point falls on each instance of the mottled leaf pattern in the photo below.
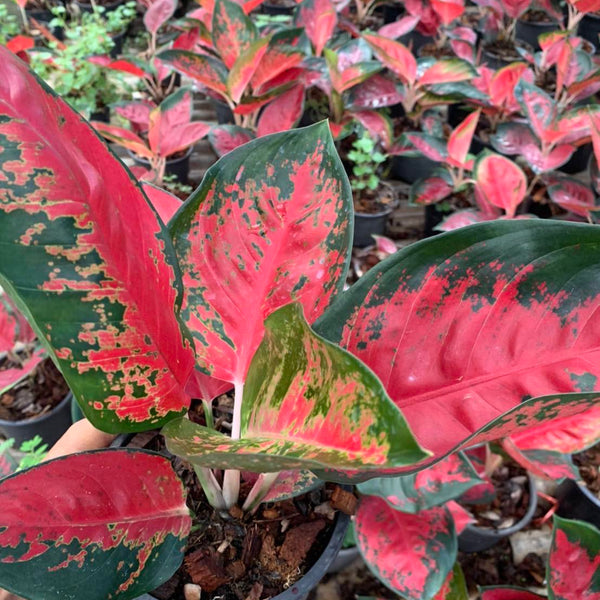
(225, 138)
(307, 404)
(207, 70)
(86, 247)
(269, 222)
(125, 532)
(411, 554)
(451, 324)
(232, 31)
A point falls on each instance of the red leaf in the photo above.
(137, 113)
(123, 65)
(158, 14)
(428, 145)
(284, 239)
(225, 138)
(377, 124)
(399, 28)
(126, 340)
(542, 463)
(502, 85)
(572, 567)
(448, 10)
(459, 142)
(274, 62)
(283, 113)
(165, 204)
(232, 31)
(430, 190)
(318, 17)
(505, 593)
(515, 8)
(124, 138)
(244, 68)
(574, 196)
(461, 218)
(412, 554)
(395, 56)
(376, 92)
(8, 377)
(205, 69)
(205, 387)
(95, 513)
(539, 109)
(493, 168)
(20, 43)
(182, 137)
(462, 517)
(447, 71)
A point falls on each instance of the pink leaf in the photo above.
(283, 113)
(165, 204)
(399, 28)
(459, 142)
(158, 14)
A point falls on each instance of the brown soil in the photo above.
(35, 395)
(512, 498)
(236, 556)
(537, 16)
(588, 463)
(503, 50)
(374, 201)
(436, 51)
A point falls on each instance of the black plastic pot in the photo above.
(224, 114)
(589, 29)
(575, 501)
(529, 31)
(497, 61)
(579, 161)
(268, 8)
(118, 39)
(43, 17)
(368, 224)
(102, 115)
(88, 7)
(178, 167)
(49, 426)
(302, 588)
(476, 539)
(345, 557)
(411, 168)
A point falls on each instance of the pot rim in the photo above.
(40, 419)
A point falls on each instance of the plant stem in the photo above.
(211, 487)
(259, 490)
(24, 17)
(208, 415)
(231, 478)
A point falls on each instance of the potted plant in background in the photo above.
(34, 399)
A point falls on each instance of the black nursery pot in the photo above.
(411, 168)
(118, 39)
(529, 31)
(274, 10)
(87, 7)
(224, 114)
(476, 539)
(579, 160)
(589, 29)
(49, 426)
(178, 167)
(302, 588)
(368, 224)
(43, 17)
(575, 501)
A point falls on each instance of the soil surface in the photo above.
(538, 16)
(588, 463)
(374, 201)
(35, 395)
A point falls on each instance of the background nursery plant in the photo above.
(450, 326)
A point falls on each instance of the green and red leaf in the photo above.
(87, 246)
(307, 404)
(508, 593)
(159, 12)
(542, 463)
(459, 142)
(430, 190)
(539, 109)
(233, 32)
(319, 18)
(283, 113)
(574, 565)
(130, 520)
(455, 586)
(434, 486)
(275, 61)
(123, 137)
(452, 326)
(269, 223)
(206, 70)
(411, 554)
(493, 168)
(395, 56)
(573, 195)
(447, 71)
(244, 68)
(225, 138)
(164, 203)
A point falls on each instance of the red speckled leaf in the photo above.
(307, 404)
(542, 463)
(71, 212)
(489, 170)
(233, 32)
(107, 521)
(268, 225)
(165, 204)
(375, 92)
(225, 138)
(283, 113)
(508, 593)
(539, 109)
(411, 554)
(448, 10)
(318, 17)
(244, 68)
(463, 327)
(377, 124)
(433, 486)
(10, 377)
(158, 14)
(459, 142)
(432, 147)
(574, 565)
(207, 70)
(567, 435)
(395, 56)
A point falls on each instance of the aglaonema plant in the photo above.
(139, 317)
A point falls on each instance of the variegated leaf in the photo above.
(73, 215)
(125, 532)
(307, 404)
(411, 554)
(270, 222)
(233, 32)
(225, 138)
